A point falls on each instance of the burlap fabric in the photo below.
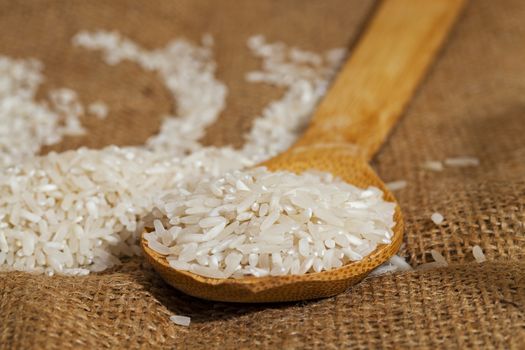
(472, 103)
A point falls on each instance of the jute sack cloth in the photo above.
(471, 103)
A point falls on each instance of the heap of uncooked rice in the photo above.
(79, 211)
(259, 223)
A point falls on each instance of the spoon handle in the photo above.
(376, 83)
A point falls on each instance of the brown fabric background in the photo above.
(472, 103)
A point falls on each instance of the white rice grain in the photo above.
(396, 185)
(400, 263)
(478, 254)
(432, 165)
(437, 218)
(463, 161)
(438, 258)
(99, 109)
(180, 320)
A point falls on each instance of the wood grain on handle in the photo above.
(381, 75)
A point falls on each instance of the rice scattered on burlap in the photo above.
(472, 102)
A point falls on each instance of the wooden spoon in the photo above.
(349, 126)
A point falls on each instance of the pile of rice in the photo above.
(260, 223)
(81, 210)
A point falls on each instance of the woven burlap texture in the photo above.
(471, 103)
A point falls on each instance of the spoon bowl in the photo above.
(338, 160)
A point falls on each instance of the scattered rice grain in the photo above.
(464, 161)
(180, 320)
(433, 165)
(478, 254)
(437, 218)
(396, 185)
